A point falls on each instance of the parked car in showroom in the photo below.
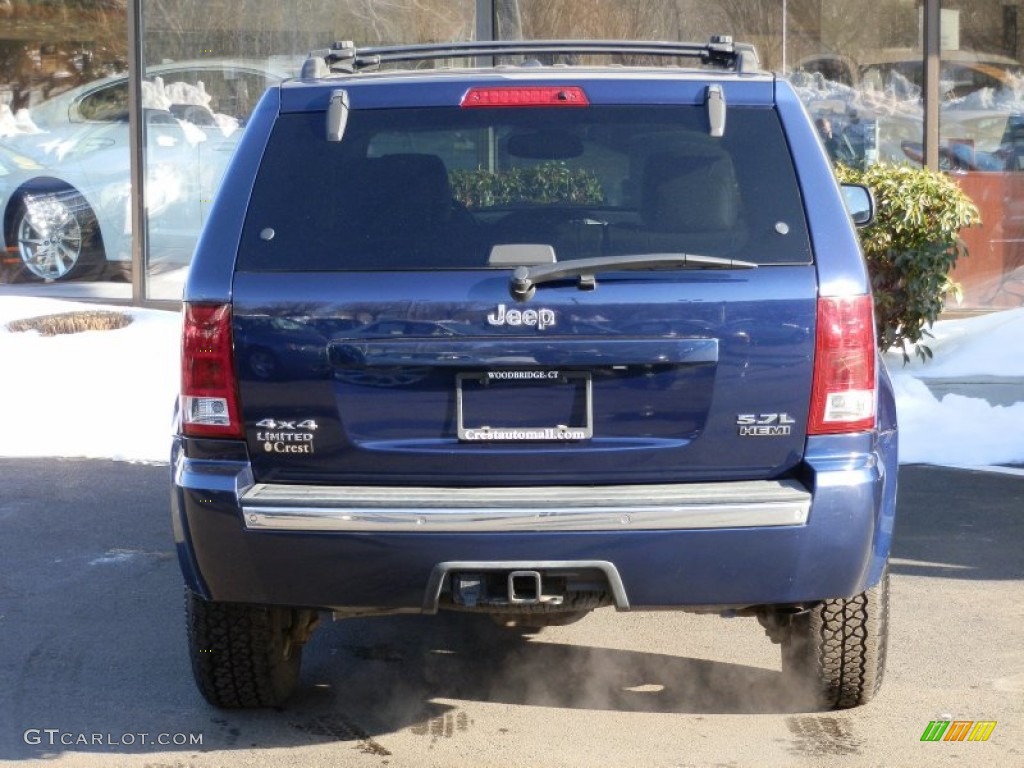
(870, 111)
(70, 217)
(902, 70)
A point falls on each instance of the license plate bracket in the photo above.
(524, 406)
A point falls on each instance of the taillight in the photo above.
(843, 393)
(525, 96)
(209, 391)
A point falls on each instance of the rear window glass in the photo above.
(440, 188)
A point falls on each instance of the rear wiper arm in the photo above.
(525, 280)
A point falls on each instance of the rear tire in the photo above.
(244, 656)
(838, 648)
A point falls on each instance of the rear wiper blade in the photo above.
(525, 280)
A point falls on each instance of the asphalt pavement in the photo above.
(94, 671)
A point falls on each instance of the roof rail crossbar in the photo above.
(721, 51)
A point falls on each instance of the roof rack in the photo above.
(344, 56)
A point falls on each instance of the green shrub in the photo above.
(911, 247)
(545, 183)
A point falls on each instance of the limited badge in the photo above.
(292, 437)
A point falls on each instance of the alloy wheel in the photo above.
(49, 236)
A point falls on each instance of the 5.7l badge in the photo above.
(765, 424)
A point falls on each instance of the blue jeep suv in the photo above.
(555, 330)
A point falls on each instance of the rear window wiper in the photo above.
(524, 280)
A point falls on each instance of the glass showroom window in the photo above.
(207, 64)
(64, 150)
(982, 143)
(865, 86)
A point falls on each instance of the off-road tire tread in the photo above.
(237, 653)
(840, 646)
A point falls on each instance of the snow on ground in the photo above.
(97, 394)
(959, 430)
(986, 345)
(110, 394)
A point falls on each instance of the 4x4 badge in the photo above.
(539, 318)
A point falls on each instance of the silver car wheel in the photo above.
(49, 234)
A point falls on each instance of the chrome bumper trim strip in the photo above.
(747, 504)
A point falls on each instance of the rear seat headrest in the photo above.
(409, 190)
(685, 192)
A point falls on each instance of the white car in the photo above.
(66, 195)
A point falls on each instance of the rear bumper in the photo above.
(729, 544)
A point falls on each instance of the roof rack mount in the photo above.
(344, 56)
